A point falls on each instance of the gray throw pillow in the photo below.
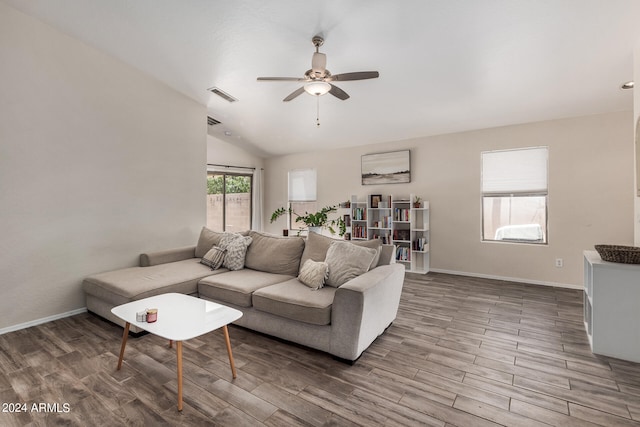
(214, 257)
(314, 274)
(236, 246)
(347, 261)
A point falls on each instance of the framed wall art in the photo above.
(386, 168)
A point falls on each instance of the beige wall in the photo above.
(98, 163)
(590, 187)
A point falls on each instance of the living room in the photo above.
(101, 162)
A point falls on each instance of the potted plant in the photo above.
(317, 220)
(416, 201)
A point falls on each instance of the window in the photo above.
(229, 201)
(302, 194)
(514, 195)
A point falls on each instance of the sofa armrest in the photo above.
(170, 255)
(363, 308)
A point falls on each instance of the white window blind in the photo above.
(515, 171)
(302, 185)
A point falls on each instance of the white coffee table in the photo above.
(180, 317)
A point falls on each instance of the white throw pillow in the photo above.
(236, 246)
(314, 274)
(347, 261)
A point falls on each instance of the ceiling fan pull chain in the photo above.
(318, 111)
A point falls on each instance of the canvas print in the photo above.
(386, 168)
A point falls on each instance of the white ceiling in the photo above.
(445, 65)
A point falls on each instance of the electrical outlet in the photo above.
(559, 262)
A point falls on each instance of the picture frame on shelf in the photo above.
(374, 200)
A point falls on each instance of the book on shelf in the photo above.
(400, 234)
(358, 232)
(403, 253)
(384, 237)
(419, 244)
(401, 214)
(359, 214)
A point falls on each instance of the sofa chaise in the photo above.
(332, 295)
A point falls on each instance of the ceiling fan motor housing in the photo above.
(319, 64)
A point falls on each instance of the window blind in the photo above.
(302, 185)
(515, 171)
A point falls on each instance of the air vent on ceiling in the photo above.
(222, 94)
(211, 121)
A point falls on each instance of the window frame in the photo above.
(225, 174)
(291, 223)
(511, 194)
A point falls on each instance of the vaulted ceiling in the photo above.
(445, 66)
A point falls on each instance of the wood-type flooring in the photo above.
(462, 352)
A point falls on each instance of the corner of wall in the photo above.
(636, 115)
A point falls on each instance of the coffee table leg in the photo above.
(179, 362)
(125, 335)
(226, 338)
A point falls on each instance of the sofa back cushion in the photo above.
(274, 254)
(207, 240)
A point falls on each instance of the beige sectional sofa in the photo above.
(343, 317)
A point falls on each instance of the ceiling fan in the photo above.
(318, 80)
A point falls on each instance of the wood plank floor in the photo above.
(462, 352)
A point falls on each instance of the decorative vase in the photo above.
(317, 230)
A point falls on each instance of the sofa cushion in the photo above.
(236, 246)
(128, 284)
(207, 240)
(296, 301)
(317, 245)
(347, 261)
(236, 287)
(214, 258)
(314, 273)
(274, 254)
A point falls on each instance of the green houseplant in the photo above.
(318, 219)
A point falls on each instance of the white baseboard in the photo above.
(42, 320)
(508, 279)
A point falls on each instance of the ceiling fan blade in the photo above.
(338, 93)
(358, 75)
(280, 79)
(294, 94)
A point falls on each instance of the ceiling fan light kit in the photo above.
(317, 88)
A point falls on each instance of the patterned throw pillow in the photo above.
(236, 246)
(214, 257)
(314, 274)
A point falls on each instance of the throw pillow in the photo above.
(347, 261)
(314, 274)
(316, 248)
(206, 241)
(375, 244)
(214, 258)
(236, 246)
